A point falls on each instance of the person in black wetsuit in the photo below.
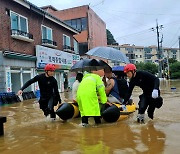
(49, 94)
(151, 94)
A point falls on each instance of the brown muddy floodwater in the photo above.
(28, 132)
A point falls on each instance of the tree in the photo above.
(172, 60)
(110, 38)
(175, 70)
(149, 67)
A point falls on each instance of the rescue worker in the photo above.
(151, 94)
(90, 88)
(49, 94)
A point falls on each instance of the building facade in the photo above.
(30, 38)
(147, 54)
(92, 28)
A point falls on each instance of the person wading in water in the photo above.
(49, 94)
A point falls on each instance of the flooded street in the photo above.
(28, 131)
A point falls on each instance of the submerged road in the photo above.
(27, 131)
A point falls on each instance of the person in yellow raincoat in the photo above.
(90, 91)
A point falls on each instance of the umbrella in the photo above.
(88, 65)
(118, 71)
(102, 63)
(118, 68)
(108, 53)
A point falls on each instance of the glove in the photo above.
(155, 93)
(123, 107)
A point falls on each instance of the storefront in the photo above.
(63, 62)
(15, 70)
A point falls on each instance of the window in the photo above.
(84, 23)
(19, 27)
(174, 56)
(46, 33)
(19, 76)
(76, 46)
(18, 22)
(79, 24)
(173, 51)
(47, 39)
(147, 56)
(66, 40)
(73, 23)
(148, 50)
(68, 22)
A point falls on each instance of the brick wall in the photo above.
(96, 33)
(34, 24)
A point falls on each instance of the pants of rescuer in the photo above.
(150, 103)
(47, 106)
(97, 119)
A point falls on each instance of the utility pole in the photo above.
(168, 75)
(161, 56)
(179, 42)
(179, 46)
(159, 51)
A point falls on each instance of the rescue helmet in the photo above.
(49, 67)
(129, 67)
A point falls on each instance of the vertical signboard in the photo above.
(8, 79)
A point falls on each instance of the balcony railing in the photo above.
(21, 33)
(68, 48)
(49, 42)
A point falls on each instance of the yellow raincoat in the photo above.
(87, 95)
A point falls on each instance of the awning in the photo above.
(20, 56)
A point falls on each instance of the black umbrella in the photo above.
(88, 65)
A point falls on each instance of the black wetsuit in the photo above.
(147, 82)
(49, 94)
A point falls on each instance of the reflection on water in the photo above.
(27, 131)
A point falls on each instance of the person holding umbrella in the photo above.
(90, 91)
(149, 83)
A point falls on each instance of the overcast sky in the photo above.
(130, 21)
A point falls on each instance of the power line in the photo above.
(174, 43)
(137, 33)
(145, 13)
(125, 19)
(101, 2)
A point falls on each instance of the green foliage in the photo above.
(175, 70)
(110, 38)
(149, 67)
(172, 60)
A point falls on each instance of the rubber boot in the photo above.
(140, 118)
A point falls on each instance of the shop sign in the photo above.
(60, 58)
